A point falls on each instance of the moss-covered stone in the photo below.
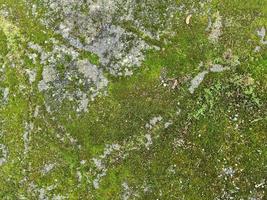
(133, 99)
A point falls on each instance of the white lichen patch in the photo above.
(83, 104)
(5, 94)
(47, 168)
(153, 122)
(119, 51)
(36, 111)
(228, 171)
(111, 47)
(88, 79)
(100, 163)
(218, 68)
(3, 154)
(82, 162)
(116, 152)
(44, 193)
(216, 28)
(31, 74)
(196, 81)
(261, 33)
(167, 124)
(26, 136)
(128, 192)
(42, 86)
(49, 75)
(59, 197)
(115, 47)
(172, 169)
(92, 73)
(79, 176)
(148, 142)
(178, 143)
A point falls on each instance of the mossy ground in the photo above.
(187, 159)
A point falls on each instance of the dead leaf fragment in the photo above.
(187, 21)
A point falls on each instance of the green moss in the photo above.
(3, 43)
(90, 56)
